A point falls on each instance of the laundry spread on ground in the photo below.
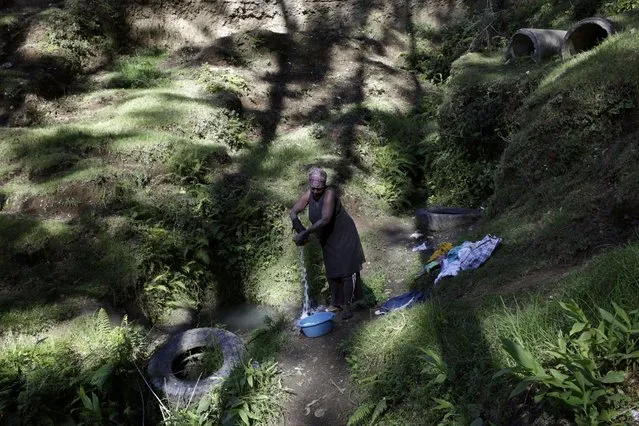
(429, 267)
(441, 250)
(402, 301)
(423, 247)
(467, 256)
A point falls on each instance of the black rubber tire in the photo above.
(442, 218)
(160, 368)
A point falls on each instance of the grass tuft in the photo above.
(385, 355)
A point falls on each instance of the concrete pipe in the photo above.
(539, 44)
(444, 218)
(585, 35)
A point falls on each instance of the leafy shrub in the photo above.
(456, 180)
(437, 49)
(80, 32)
(252, 395)
(139, 71)
(475, 119)
(216, 81)
(84, 377)
(174, 267)
(245, 231)
(32, 376)
(397, 146)
(195, 163)
(391, 164)
(587, 367)
(620, 6)
(224, 127)
(255, 395)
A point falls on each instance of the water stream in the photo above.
(306, 309)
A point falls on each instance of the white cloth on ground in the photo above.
(423, 247)
(469, 256)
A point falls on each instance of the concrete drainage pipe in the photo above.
(160, 367)
(539, 44)
(443, 218)
(585, 35)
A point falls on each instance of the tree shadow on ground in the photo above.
(466, 355)
(67, 266)
(301, 57)
(460, 373)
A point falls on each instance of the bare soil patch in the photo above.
(317, 374)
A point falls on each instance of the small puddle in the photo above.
(244, 317)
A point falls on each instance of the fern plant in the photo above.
(368, 413)
(255, 394)
(588, 365)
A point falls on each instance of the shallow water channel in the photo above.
(247, 316)
(244, 317)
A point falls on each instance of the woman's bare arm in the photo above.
(300, 204)
(327, 212)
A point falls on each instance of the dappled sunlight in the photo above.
(158, 179)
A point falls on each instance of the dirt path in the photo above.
(316, 372)
(315, 369)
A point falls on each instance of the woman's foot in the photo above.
(347, 314)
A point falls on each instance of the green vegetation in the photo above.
(253, 394)
(195, 364)
(128, 181)
(139, 71)
(78, 36)
(438, 361)
(590, 364)
(549, 149)
(217, 81)
(60, 377)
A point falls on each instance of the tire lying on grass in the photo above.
(160, 367)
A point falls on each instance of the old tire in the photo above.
(160, 367)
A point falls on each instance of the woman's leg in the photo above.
(335, 286)
(349, 284)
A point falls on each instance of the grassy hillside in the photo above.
(148, 181)
(559, 142)
(150, 187)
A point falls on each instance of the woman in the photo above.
(341, 246)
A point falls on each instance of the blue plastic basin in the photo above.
(317, 324)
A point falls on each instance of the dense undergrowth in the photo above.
(57, 378)
(158, 191)
(550, 150)
(438, 362)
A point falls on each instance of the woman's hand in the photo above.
(300, 238)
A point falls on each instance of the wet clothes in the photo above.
(342, 250)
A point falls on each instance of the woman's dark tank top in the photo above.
(342, 248)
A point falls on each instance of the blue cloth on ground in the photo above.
(468, 256)
(402, 301)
